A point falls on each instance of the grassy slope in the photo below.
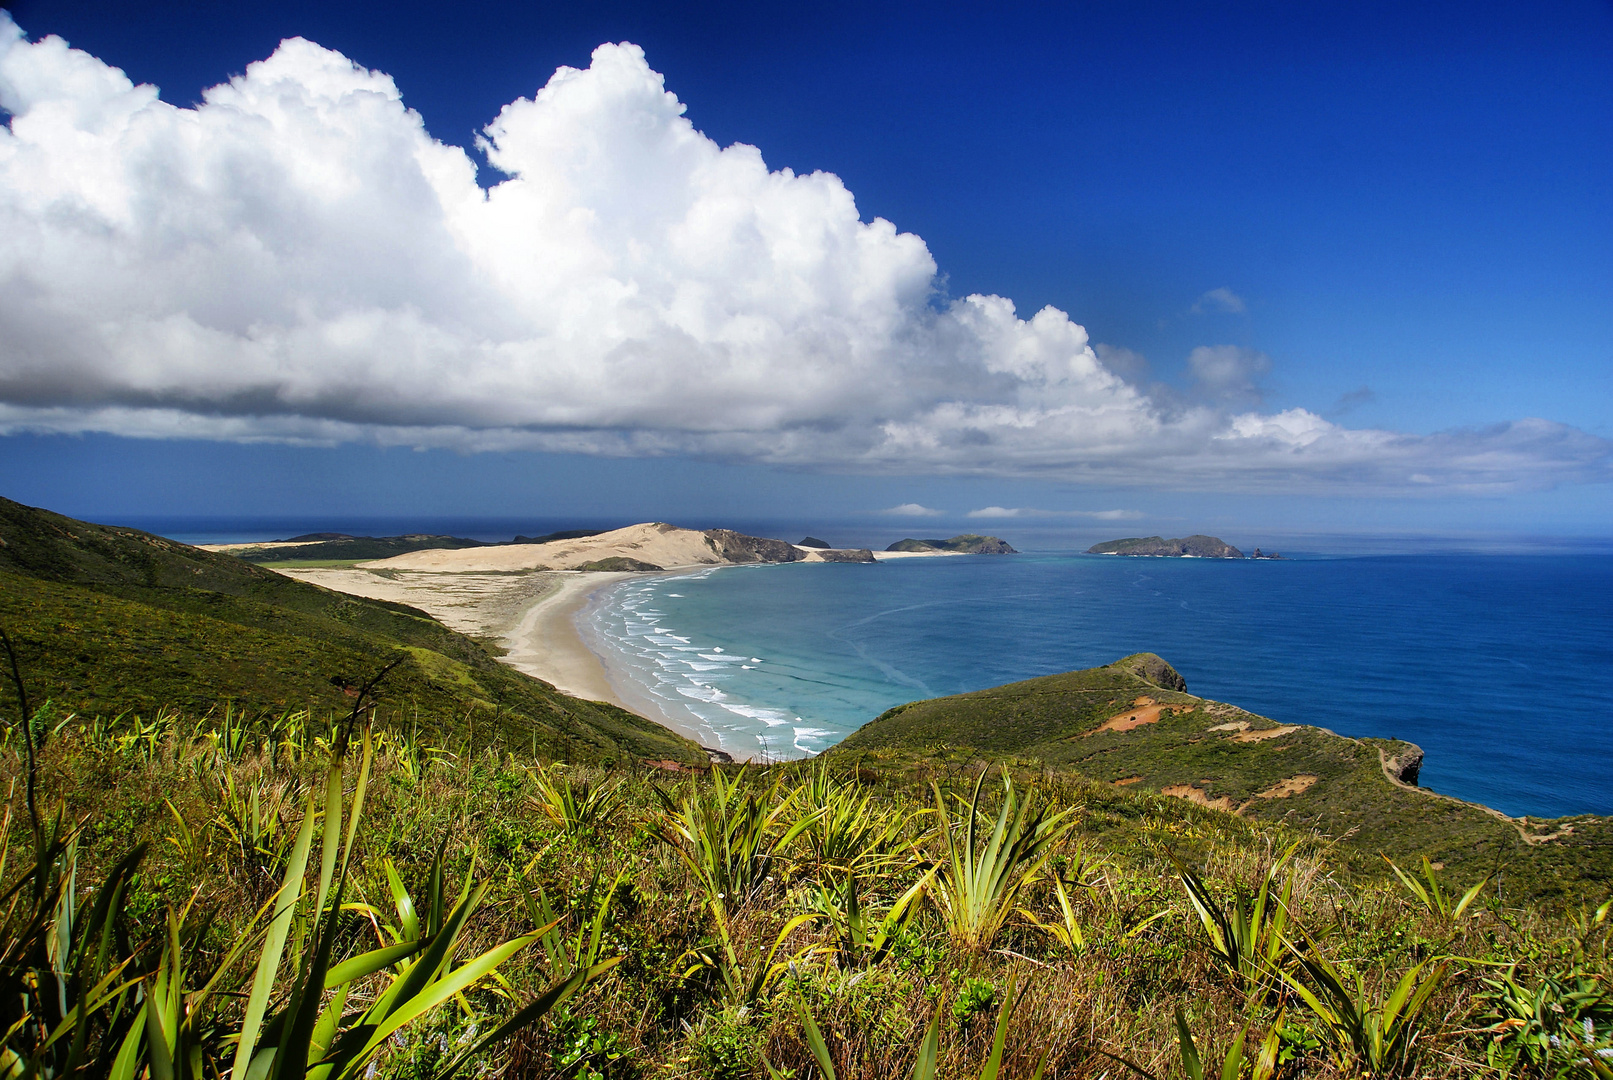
(1052, 720)
(110, 619)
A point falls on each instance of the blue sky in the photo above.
(1326, 261)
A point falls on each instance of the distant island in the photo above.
(964, 544)
(1197, 546)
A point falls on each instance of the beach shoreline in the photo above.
(549, 642)
(546, 643)
(532, 617)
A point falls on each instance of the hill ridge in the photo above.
(110, 618)
(1134, 724)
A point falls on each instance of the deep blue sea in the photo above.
(1499, 666)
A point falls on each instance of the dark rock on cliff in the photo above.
(813, 542)
(1154, 669)
(966, 543)
(1196, 546)
(1406, 765)
(739, 548)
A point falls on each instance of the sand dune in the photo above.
(662, 545)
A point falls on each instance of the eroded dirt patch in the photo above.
(1145, 710)
(1195, 794)
(1282, 789)
(1262, 734)
(1128, 781)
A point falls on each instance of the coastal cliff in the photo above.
(1134, 725)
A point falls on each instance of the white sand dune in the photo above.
(663, 545)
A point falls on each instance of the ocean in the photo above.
(1499, 666)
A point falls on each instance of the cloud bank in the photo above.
(1032, 512)
(297, 259)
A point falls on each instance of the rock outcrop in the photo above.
(843, 555)
(619, 563)
(1405, 765)
(812, 542)
(736, 547)
(1154, 669)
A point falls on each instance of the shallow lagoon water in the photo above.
(1499, 666)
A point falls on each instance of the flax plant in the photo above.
(1246, 933)
(1236, 1063)
(929, 1050)
(1365, 1032)
(576, 806)
(731, 840)
(980, 878)
(1431, 894)
(862, 937)
(846, 830)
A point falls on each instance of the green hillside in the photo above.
(109, 620)
(1133, 724)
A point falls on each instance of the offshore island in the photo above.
(1197, 546)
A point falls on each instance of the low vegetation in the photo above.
(274, 896)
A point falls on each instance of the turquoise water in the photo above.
(1499, 666)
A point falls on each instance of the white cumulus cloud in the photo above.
(1222, 299)
(911, 510)
(297, 259)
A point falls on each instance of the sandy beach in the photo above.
(532, 616)
(529, 615)
(545, 643)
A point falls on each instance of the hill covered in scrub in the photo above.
(329, 549)
(1134, 725)
(1194, 547)
(112, 619)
